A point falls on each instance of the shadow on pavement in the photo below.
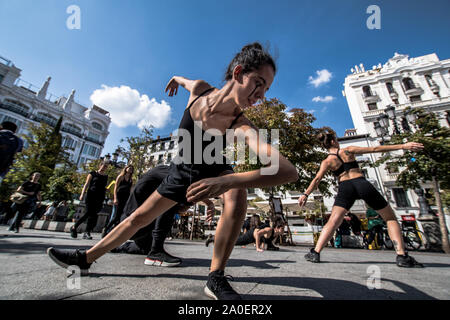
(329, 289)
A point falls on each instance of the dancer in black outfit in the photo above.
(122, 190)
(95, 189)
(353, 186)
(193, 178)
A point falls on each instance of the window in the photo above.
(408, 84)
(160, 158)
(171, 144)
(94, 136)
(68, 142)
(169, 157)
(97, 126)
(14, 120)
(395, 101)
(430, 80)
(392, 167)
(415, 98)
(16, 107)
(71, 127)
(372, 106)
(401, 198)
(1, 78)
(367, 92)
(390, 88)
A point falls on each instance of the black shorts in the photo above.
(359, 188)
(181, 176)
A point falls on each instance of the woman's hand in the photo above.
(81, 197)
(172, 87)
(207, 188)
(116, 202)
(302, 200)
(413, 146)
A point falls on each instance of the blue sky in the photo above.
(133, 48)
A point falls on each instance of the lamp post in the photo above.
(390, 112)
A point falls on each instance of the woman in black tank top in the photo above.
(353, 186)
(248, 77)
(122, 190)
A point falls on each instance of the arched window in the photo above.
(97, 125)
(367, 92)
(389, 87)
(430, 80)
(408, 84)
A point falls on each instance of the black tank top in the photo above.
(345, 166)
(187, 123)
(123, 190)
(98, 183)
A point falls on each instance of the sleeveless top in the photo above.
(124, 189)
(345, 166)
(187, 123)
(98, 184)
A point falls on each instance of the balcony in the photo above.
(94, 141)
(416, 91)
(22, 111)
(371, 98)
(38, 118)
(72, 131)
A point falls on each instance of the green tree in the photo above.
(297, 142)
(137, 151)
(63, 184)
(43, 151)
(430, 165)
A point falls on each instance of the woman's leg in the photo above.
(229, 226)
(154, 206)
(337, 215)
(394, 230)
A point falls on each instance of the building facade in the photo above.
(401, 83)
(84, 130)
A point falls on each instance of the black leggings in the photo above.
(93, 207)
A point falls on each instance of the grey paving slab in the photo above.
(27, 273)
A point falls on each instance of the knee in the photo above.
(137, 221)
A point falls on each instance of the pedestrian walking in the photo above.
(122, 189)
(24, 198)
(95, 190)
(10, 144)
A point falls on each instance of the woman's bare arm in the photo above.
(86, 185)
(193, 86)
(314, 183)
(413, 146)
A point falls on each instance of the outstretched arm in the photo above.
(190, 85)
(258, 235)
(314, 183)
(413, 146)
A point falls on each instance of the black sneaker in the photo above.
(405, 261)
(87, 236)
(73, 232)
(313, 256)
(161, 259)
(66, 258)
(218, 287)
(209, 240)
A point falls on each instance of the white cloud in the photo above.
(311, 111)
(323, 99)
(323, 76)
(128, 107)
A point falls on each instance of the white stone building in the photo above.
(84, 130)
(401, 82)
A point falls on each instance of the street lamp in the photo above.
(390, 112)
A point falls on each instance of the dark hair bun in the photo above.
(251, 57)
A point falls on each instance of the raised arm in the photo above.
(413, 146)
(193, 86)
(314, 183)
